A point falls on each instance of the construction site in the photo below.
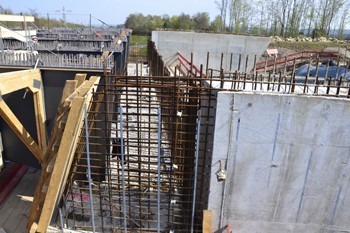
(196, 136)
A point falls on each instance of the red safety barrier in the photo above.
(181, 70)
(188, 62)
(14, 172)
(296, 58)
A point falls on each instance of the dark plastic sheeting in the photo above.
(302, 71)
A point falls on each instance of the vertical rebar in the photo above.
(1, 42)
(122, 155)
(25, 30)
(88, 163)
(60, 213)
(239, 62)
(159, 130)
(285, 66)
(338, 63)
(196, 168)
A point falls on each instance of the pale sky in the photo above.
(112, 11)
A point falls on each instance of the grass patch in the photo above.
(139, 40)
(135, 57)
(142, 51)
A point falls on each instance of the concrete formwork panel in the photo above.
(169, 43)
(287, 158)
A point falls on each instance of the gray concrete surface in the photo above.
(287, 158)
(169, 42)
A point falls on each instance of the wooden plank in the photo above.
(17, 127)
(69, 87)
(84, 88)
(63, 161)
(70, 98)
(88, 96)
(16, 18)
(207, 221)
(40, 115)
(33, 228)
(18, 35)
(14, 81)
(80, 78)
(51, 155)
(65, 154)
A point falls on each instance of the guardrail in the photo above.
(56, 61)
(65, 45)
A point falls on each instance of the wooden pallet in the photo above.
(60, 151)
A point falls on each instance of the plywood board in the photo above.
(207, 221)
(16, 18)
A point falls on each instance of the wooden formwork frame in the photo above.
(31, 81)
(57, 164)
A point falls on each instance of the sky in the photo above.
(112, 12)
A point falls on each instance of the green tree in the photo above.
(185, 21)
(201, 21)
(175, 22)
(166, 21)
(215, 25)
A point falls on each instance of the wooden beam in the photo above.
(17, 127)
(65, 154)
(207, 221)
(40, 116)
(16, 18)
(69, 87)
(84, 88)
(63, 161)
(14, 81)
(80, 78)
(18, 35)
(33, 228)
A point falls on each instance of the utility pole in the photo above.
(22, 22)
(90, 21)
(48, 21)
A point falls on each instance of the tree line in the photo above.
(285, 18)
(198, 21)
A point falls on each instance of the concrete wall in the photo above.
(287, 158)
(169, 42)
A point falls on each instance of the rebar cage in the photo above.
(140, 97)
(177, 99)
